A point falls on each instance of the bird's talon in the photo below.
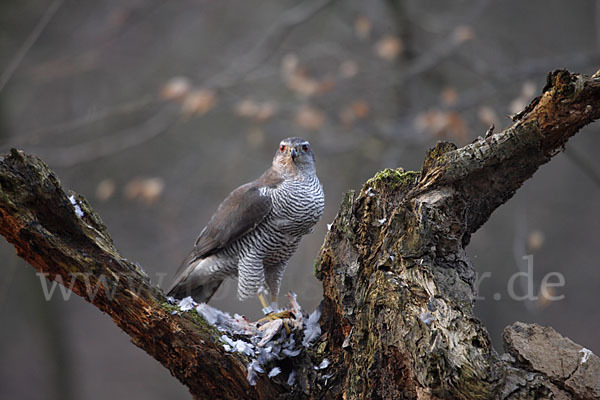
(272, 316)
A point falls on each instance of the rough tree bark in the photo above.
(397, 314)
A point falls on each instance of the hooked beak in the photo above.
(294, 153)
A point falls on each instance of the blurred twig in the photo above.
(268, 44)
(446, 47)
(88, 57)
(24, 138)
(237, 71)
(29, 42)
(70, 156)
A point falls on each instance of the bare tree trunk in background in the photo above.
(398, 288)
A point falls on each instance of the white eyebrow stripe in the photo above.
(289, 144)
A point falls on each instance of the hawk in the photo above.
(256, 229)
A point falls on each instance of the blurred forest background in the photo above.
(155, 110)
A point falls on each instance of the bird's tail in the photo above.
(187, 282)
(200, 294)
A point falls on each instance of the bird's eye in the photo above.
(304, 147)
(282, 148)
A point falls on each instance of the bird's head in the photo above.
(294, 156)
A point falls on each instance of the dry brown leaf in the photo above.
(449, 96)
(256, 137)
(199, 101)
(289, 64)
(325, 85)
(517, 105)
(105, 189)
(266, 111)
(457, 128)
(443, 124)
(389, 47)
(146, 190)
(464, 33)
(310, 118)
(488, 116)
(175, 88)
(360, 108)
(261, 112)
(347, 116)
(362, 27)
(528, 90)
(547, 295)
(348, 69)
(300, 83)
(247, 108)
(535, 240)
(299, 80)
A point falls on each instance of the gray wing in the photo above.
(237, 215)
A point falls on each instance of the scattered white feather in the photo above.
(326, 376)
(240, 325)
(274, 372)
(78, 210)
(252, 369)
(265, 356)
(292, 378)
(290, 353)
(382, 221)
(324, 364)
(312, 330)
(347, 339)
(329, 226)
(244, 347)
(237, 346)
(257, 367)
(266, 344)
(298, 322)
(427, 318)
(137, 264)
(294, 305)
(270, 329)
(227, 340)
(187, 304)
(212, 315)
(586, 353)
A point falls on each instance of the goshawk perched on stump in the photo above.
(256, 229)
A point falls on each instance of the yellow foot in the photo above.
(280, 315)
(273, 316)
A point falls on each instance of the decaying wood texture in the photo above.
(398, 301)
